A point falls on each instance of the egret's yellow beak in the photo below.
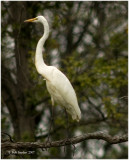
(30, 20)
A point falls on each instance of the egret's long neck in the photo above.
(39, 62)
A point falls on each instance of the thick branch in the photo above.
(74, 140)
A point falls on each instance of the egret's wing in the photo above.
(65, 89)
(64, 86)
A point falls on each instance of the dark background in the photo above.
(87, 42)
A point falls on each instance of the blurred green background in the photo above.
(88, 43)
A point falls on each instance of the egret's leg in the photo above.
(52, 121)
(67, 125)
(52, 112)
(52, 101)
(67, 131)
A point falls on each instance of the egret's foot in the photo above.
(48, 141)
(65, 143)
(67, 140)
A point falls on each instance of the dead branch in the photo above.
(97, 135)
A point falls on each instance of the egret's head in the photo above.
(37, 19)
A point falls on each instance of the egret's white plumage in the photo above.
(57, 83)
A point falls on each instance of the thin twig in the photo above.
(10, 138)
(81, 123)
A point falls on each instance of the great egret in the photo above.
(57, 83)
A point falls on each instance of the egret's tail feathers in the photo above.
(75, 113)
(77, 116)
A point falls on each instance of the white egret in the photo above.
(58, 85)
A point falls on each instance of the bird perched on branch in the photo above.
(57, 83)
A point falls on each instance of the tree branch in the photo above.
(97, 135)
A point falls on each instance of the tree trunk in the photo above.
(14, 92)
